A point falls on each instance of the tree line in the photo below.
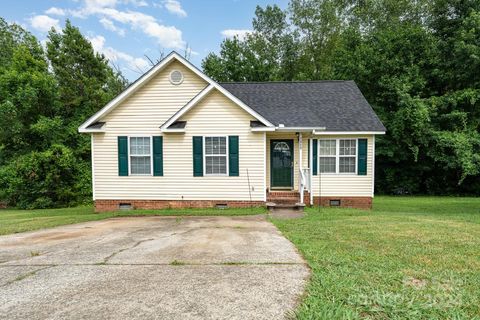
(416, 62)
(45, 94)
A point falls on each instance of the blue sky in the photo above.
(127, 30)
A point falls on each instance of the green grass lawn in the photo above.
(408, 258)
(13, 221)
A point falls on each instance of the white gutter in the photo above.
(298, 129)
(347, 132)
(173, 130)
(91, 130)
(262, 129)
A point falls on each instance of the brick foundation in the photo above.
(345, 202)
(113, 205)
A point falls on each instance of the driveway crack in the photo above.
(26, 275)
(105, 261)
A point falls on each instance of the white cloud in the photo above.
(174, 7)
(44, 23)
(116, 56)
(98, 4)
(136, 3)
(240, 33)
(55, 11)
(109, 25)
(167, 36)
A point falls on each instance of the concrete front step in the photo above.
(273, 206)
(290, 201)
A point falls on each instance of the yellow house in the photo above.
(176, 138)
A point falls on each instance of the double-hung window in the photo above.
(140, 156)
(328, 156)
(216, 155)
(348, 151)
(337, 155)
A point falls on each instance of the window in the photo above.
(348, 150)
(140, 155)
(216, 155)
(337, 155)
(328, 159)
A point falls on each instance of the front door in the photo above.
(281, 163)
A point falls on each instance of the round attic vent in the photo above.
(176, 77)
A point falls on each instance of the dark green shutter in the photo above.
(197, 156)
(233, 156)
(315, 157)
(362, 157)
(308, 153)
(123, 156)
(158, 156)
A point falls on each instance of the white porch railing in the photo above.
(305, 183)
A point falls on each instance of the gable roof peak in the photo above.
(150, 74)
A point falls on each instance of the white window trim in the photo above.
(130, 159)
(205, 157)
(337, 157)
(328, 156)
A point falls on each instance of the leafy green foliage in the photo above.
(43, 179)
(44, 162)
(416, 62)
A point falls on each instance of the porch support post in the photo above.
(310, 171)
(302, 180)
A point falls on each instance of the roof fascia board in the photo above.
(264, 129)
(127, 92)
(347, 132)
(90, 130)
(173, 130)
(296, 129)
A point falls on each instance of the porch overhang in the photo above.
(288, 129)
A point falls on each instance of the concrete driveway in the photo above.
(151, 268)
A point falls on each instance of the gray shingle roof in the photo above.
(96, 125)
(335, 105)
(178, 125)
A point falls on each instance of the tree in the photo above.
(44, 161)
(416, 62)
(27, 94)
(85, 80)
(268, 53)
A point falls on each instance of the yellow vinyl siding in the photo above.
(154, 103)
(146, 110)
(150, 107)
(346, 184)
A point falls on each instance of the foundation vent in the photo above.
(125, 206)
(335, 203)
